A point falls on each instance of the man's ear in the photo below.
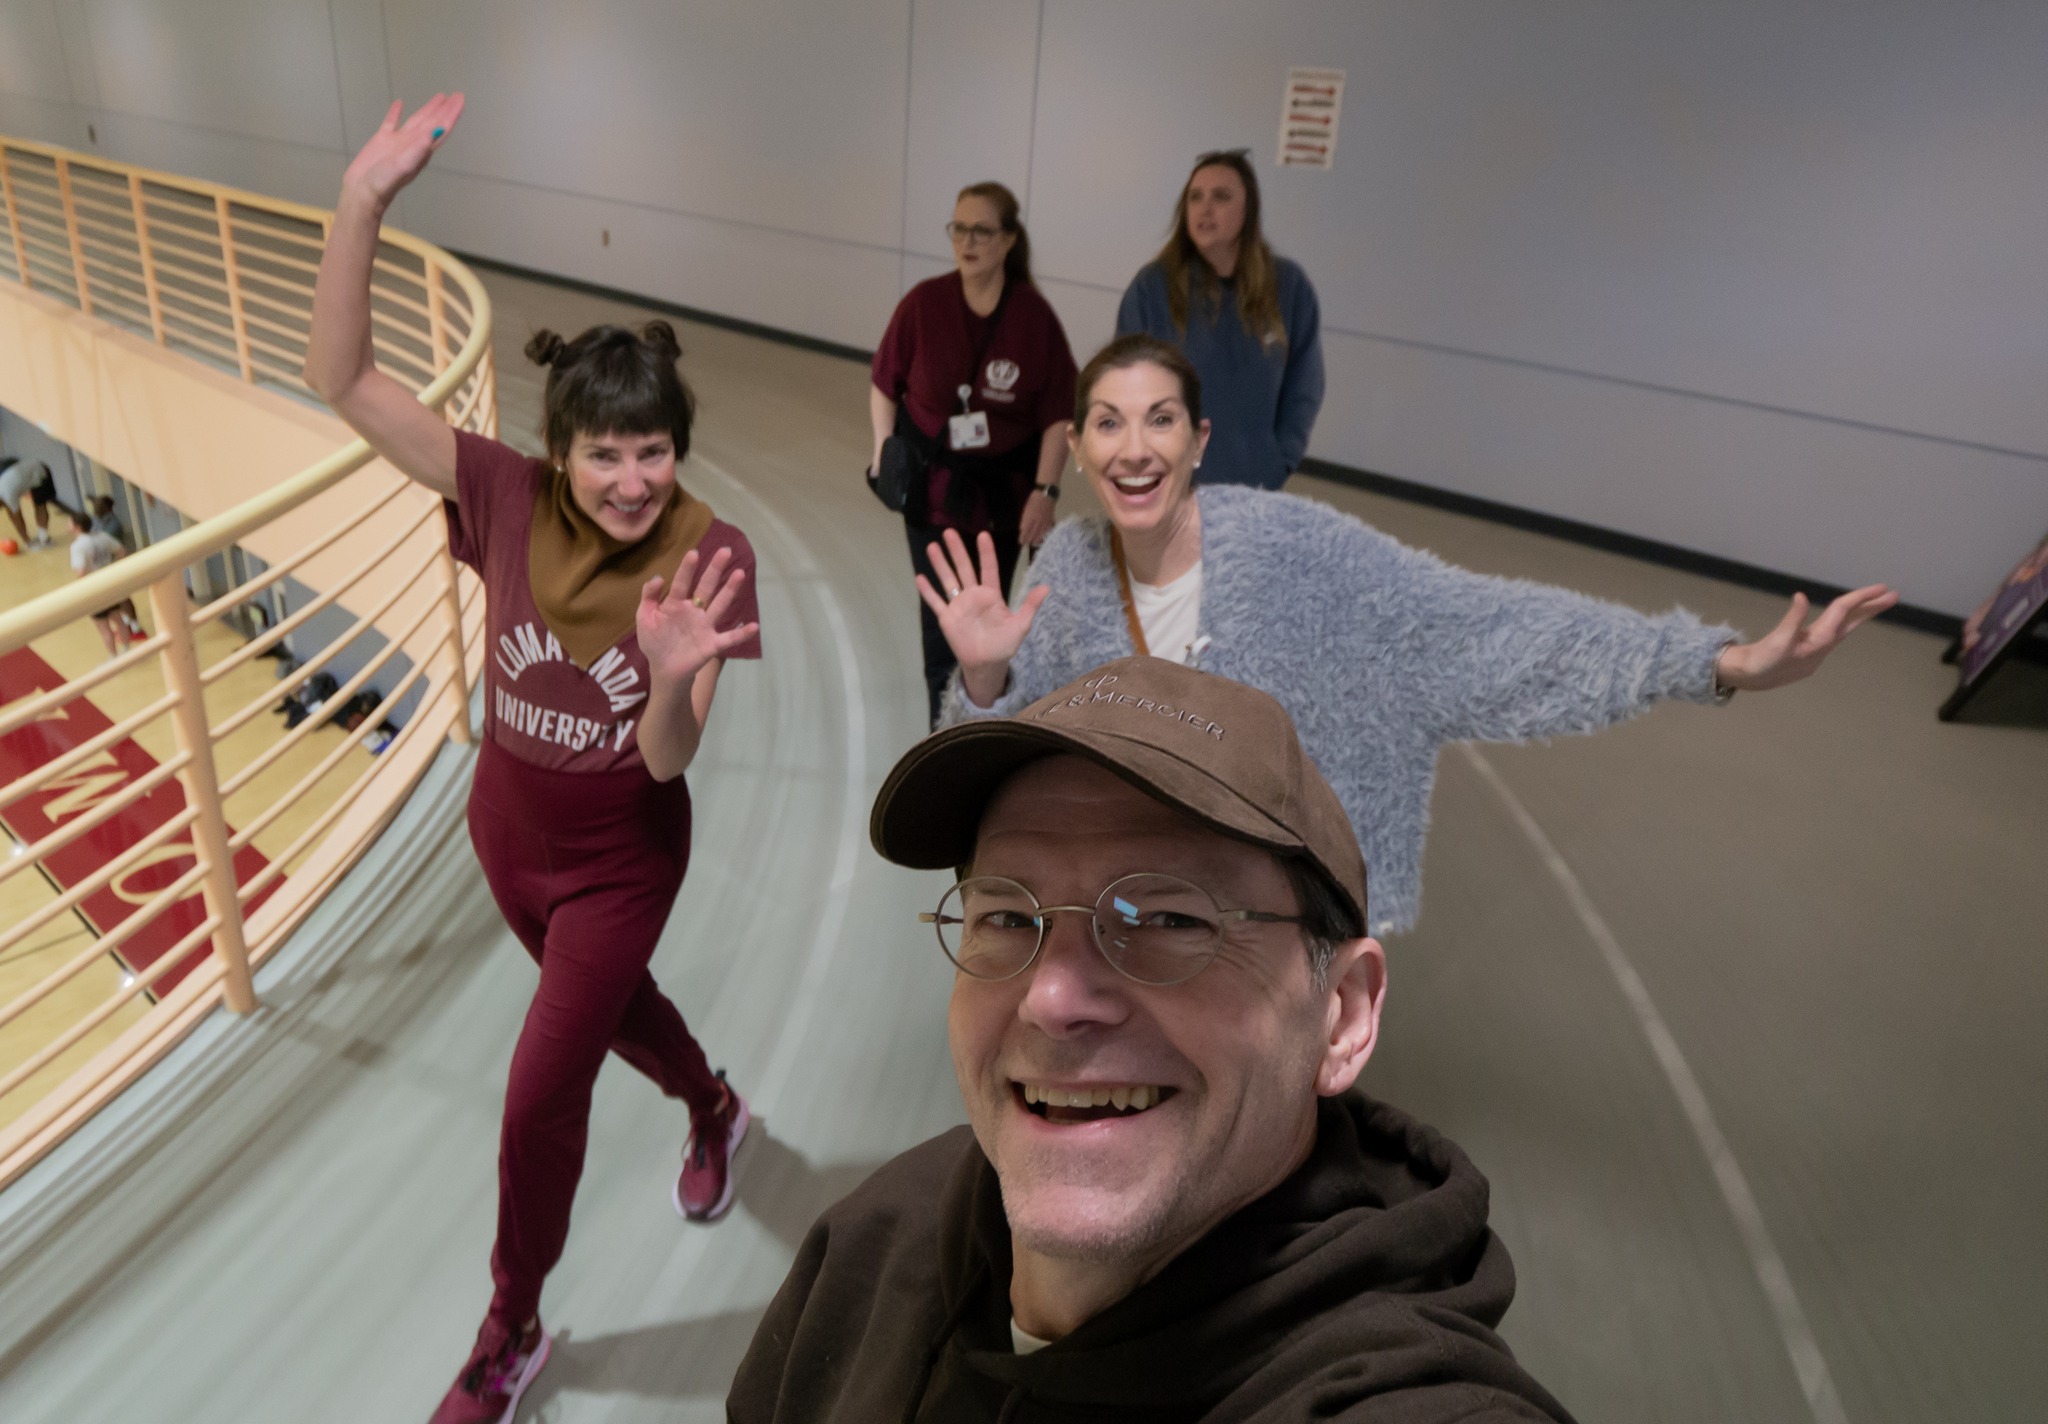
(1351, 1023)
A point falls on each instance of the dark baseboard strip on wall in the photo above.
(639, 299)
(1926, 620)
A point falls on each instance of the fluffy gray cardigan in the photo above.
(1381, 654)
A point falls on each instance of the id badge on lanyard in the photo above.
(969, 429)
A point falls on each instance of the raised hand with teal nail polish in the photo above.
(398, 151)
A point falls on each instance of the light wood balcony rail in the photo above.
(165, 841)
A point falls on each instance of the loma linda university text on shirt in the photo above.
(612, 684)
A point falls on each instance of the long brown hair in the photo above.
(1016, 266)
(1188, 273)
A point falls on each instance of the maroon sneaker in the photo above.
(499, 1370)
(704, 1189)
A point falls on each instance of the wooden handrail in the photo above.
(29, 709)
(206, 273)
(135, 573)
(202, 787)
(336, 588)
(366, 621)
(92, 820)
(77, 894)
(241, 593)
(113, 939)
(49, 771)
(357, 680)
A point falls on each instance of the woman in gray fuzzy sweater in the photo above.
(1381, 653)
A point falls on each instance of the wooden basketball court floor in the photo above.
(1738, 1008)
(72, 651)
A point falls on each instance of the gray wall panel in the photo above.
(74, 29)
(302, 172)
(32, 52)
(251, 68)
(970, 112)
(1823, 499)
(771, 113)
(362, 70)
(56, 121)
(1671, 269)
(836, 290)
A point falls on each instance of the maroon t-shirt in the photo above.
(539, 706)
(1025, 381)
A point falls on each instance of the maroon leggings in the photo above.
(585, 867)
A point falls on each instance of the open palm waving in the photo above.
(974, 613)
(679, 631)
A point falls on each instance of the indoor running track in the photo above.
(1729, 1005)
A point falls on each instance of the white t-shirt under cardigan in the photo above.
(1170, 614)
(1380, 653)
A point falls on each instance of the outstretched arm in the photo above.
(1794, 649)
(1499, 659)
(341, 366)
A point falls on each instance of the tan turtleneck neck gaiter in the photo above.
(586, 583)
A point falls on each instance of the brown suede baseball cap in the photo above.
(1224, 753)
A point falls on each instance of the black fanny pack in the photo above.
(900, 480)
(899, 476)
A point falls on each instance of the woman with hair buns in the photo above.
(614, 598)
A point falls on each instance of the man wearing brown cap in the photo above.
(1169, 1206)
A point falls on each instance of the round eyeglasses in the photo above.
(1156, 929)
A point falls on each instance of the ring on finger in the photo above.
(952, 592)
(704, 603)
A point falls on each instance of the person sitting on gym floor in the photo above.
(1169, 1203)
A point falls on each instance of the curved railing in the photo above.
(166, 840)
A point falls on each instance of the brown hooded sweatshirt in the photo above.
(1364, 1287)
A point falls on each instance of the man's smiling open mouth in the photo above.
(1089, 1104)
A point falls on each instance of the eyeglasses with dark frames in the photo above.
(972, 234)
(1155, 929)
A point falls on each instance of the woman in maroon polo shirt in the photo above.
(975, 374)
(599, 679)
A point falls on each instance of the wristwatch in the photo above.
(1051, 492)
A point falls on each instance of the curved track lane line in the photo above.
(810, 992)
(1764, 1257)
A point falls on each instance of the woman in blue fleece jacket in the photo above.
(1248, 321)
(1380, 653)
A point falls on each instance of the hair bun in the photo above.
(662, 337)
(544, 348)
